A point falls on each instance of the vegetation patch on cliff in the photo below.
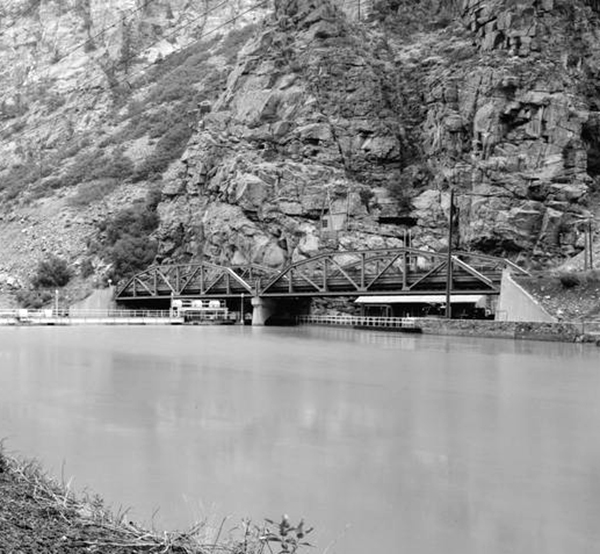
(125, 240)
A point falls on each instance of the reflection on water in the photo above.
(385, 442)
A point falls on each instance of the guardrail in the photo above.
(580, 331)
(26, 313)
(89, 317)
(360, 321)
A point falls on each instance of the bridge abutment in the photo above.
(262, 310)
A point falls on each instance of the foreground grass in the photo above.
(40, 515)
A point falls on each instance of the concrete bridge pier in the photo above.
(262, 309)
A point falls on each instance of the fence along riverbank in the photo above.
(580, 331)
(89, 317)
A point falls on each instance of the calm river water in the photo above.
(384, 442)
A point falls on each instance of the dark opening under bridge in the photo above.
(402, 271)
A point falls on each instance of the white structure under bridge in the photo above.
(475, 306)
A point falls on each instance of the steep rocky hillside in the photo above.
(297, 126)
(92, 91)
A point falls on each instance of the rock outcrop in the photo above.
(337, 125)
(287, 162)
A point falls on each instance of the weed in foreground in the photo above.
(94, 528)
(286, 538)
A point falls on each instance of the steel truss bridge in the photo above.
(353, 273)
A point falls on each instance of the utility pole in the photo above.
(588, 259)
(358, 14)
(591, 245)
(449, 260)
(586, 248)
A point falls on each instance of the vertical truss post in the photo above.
(202, 279)
(228, 283)
(404, 270)
(178, 279)
(290, 281)
(325, 274)
(362, 270)
(449, 262)
(155, 282)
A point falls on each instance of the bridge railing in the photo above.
(83, 314)
(359, 321)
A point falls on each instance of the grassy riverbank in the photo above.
(40, 515)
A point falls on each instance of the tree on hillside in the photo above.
(52, 272)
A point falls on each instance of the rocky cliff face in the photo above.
(522, 122)
(292, 156)
(325, 125)
(352, 135)
(67, 69)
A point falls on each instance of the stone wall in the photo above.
(568, 332)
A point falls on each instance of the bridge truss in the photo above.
(198, 280)
(352, 273)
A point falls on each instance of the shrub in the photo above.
(194, 55)
(234, 40)
(131, 254)
(573, 279)
(366, 195)
(135, 221)
(51, 273)
(126, 244)
(34, 299)
(94, 165)
(168, 148)
(94, 191)
(18, 177)
(87, 268)
(569, 280)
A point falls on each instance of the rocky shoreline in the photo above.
(516, 330)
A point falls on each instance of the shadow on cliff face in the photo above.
(591, 138)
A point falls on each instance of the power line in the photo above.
(103, 31)
(177, 29)
(132, 56)
(97, 35)
(22, 15)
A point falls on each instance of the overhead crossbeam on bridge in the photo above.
(350, 273)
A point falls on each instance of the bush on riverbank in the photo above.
(52, 273)
(40, 514)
